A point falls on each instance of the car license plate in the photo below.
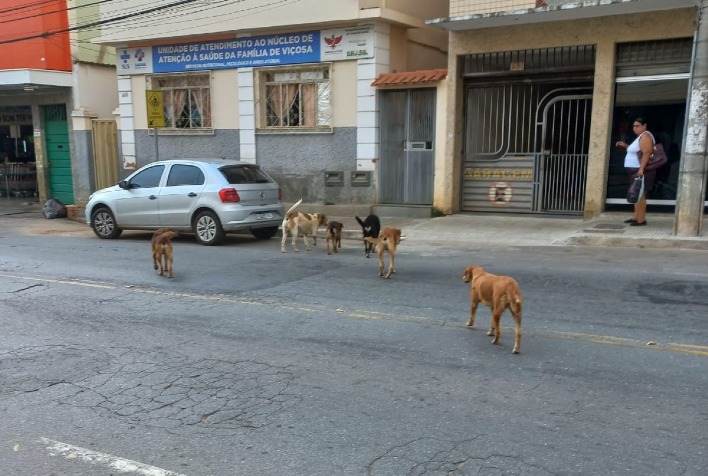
(264, 216)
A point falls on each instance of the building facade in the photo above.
(285, 85)
(54, 85)
(541, 90)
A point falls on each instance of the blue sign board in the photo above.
(252, 51)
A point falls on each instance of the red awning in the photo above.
(411, 78)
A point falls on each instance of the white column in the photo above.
(367, 136)
(247, 115)
(127, 122)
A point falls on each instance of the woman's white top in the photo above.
(631, 160)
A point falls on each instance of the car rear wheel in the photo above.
(207, 228)
(104, 224)
(264, 233)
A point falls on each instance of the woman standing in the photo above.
(638, 154)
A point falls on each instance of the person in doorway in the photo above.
(635, 161)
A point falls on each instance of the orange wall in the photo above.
(23, 18)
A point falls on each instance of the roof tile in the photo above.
(410, 77)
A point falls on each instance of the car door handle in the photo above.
(191, 194)
(152, 197)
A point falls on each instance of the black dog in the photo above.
(371, 227)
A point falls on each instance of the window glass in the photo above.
(148, 178)
(296, 98)
(186, 100)
(185, 175)
(244, 174)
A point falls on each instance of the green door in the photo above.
(56, 132)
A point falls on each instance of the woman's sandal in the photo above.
(638, 223)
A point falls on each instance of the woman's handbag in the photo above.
(657, 159)
(636, 190)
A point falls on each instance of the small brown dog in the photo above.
(499, 293)
(298, 223)
(334, 234)
(388, 239)
(162, 250)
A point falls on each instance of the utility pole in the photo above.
(691, 195)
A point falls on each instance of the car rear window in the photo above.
(240, 174)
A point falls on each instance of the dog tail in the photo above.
(359, 220)
(293, 207)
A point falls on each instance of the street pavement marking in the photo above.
(57, 448)
(674, 347)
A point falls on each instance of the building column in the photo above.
(688, 220)
(247, 115)
(126, 125)
(367, 135)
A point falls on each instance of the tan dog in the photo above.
(162, 250)
(298, 223)
(499, 293)
(334, 234)
(388, 239)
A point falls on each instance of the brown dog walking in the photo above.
(499, 293)
(162, 250)
(388, 239)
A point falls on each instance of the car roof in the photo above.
(207, 160)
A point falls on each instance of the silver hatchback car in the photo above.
(209, 197)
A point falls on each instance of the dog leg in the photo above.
(391, 261)
(169, 266)
(160, 260)
(335, 245)
(517, 338)
(381, 259)
(282, 241)
(496, 328)
(307, 243)
(473, 311)
(154, 260)
(294, 241)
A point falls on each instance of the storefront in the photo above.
(541, 95)
(18, 167)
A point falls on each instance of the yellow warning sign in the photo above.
(155, 112)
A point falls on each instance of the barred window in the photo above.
(187, 100)
(295, 98)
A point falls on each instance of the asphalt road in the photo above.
(253, 362)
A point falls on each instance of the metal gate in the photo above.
(562, 167)
(525, 147)
(407, 147)
(105, 152)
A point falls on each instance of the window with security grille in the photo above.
(295, 98)
(186, 100)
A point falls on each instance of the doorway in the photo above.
(56, 132)
(407, 166)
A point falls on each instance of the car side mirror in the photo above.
(124, 184)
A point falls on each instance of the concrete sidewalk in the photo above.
(467, 229)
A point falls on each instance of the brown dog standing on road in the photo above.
(162, 250)
(334, 234)
(499, 293)
(388, 239)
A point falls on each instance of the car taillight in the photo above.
(280, 194)
(229, 195)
